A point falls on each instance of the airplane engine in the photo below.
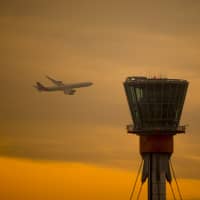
(70, 92)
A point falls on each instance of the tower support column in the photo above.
(158, 169)
(156, 151)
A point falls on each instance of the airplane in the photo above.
(60, 86)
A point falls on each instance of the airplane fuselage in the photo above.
(69, 86)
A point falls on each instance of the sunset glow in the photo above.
(57, 147)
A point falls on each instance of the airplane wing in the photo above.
(58, 83)
(40, 87)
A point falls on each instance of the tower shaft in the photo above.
(156, 152)
(156, 169)
(157, 186)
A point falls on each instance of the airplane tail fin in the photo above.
(40, 87)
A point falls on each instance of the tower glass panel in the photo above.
(155, 103)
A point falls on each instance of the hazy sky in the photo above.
(98, 41)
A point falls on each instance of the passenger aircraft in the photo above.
(60, 86)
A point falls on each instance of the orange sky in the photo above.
(24, 179)
(98, 41)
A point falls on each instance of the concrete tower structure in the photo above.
(156, 105)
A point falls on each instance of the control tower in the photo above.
(156, 105)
